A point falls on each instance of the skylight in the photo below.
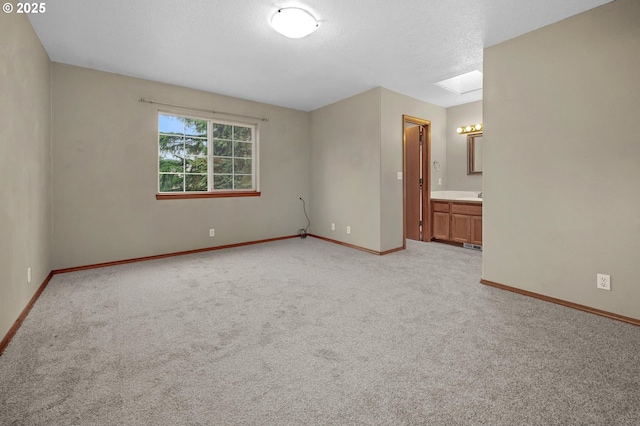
(464, 83)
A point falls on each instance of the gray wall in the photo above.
(394, 105)
(25, 164)
(345, 170)
(105, 173)
(562, 156)
(457, 177)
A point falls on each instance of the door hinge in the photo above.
(420, 181)
(420, 223)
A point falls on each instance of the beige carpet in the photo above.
(307, 332)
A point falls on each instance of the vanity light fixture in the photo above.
(293, 22)
(469, 129)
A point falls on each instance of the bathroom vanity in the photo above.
(456, 217)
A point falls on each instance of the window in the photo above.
(200, 156)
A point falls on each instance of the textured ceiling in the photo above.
(228, 47)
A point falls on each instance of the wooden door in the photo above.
(412, 182)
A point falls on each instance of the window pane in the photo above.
(242, 149)
(241, 133)
(171, 182)
(170, 124)
(222, 148)
(222, 131)
(196, 182)
(242, 166)
(222, 182)
(222, 165)
(193, 127)
(171, 165)
(196, 165)
(171, 145)
(242, 182)
(195, 146)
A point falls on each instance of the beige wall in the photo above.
(25, 164)
(356, 152)
(562, 156)
(457, 177)
(105, 172)
(394, 105)
(345, 170)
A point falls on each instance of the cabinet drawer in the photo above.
(441, 207)
(472, 210)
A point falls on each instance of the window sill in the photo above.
(183, 196)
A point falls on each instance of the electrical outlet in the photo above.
(348, 229)
(212, 232)
(333, 226)
(439, 181)
(604, 282)
(29, 274)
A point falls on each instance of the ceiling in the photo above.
(228, 47)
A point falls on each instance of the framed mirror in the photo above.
(474, 153)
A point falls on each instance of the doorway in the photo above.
(416, 136)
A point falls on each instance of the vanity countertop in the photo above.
(462, 196)
(461, 199)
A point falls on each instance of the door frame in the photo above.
(426, 176)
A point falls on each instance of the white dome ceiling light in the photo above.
(294, 22)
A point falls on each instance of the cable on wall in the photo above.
(210, 111)
(302, 232)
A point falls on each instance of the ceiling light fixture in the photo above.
(470, 129)
(293, 22)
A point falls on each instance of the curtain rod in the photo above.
(150, 101)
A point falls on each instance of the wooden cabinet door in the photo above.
(476, 230)
(460, 228)
(441, 225)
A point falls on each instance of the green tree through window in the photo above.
(187, 164)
